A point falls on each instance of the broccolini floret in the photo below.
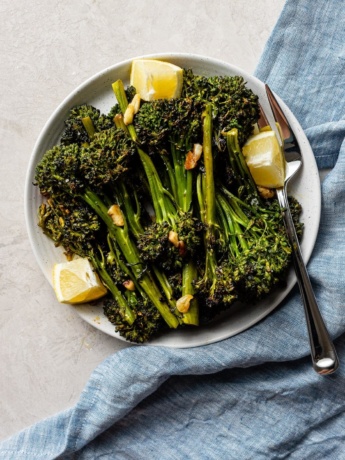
(77, 126)
(258, 249)
(234, 105)
(107, 158)
(147, 324)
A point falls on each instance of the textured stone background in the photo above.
(47, 49)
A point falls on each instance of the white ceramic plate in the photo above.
(98, 92)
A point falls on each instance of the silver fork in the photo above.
(323, 353)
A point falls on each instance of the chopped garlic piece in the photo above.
(115, 213)
(173, 238)
(193, 156)
(128, 115)
(132, 109)
(266, 192)
(183, 303)
(129, 285)
(136, 103)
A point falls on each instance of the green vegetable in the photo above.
(165, 207)
(233, 104)
(174, 237)
(59, 176)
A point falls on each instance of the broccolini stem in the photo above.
(208, 163)
(230, 224)
(130, 253)
(189, 276)
(132, 217)
(199, 188)
(125, 311)
(236, 157)
(188, 194)
(120, 234)
(164, 283)
(89, 126)
(120, 94)
(207, 197)
(155, 296)
(115, 255)
(172, 177)
(179, 173)
(238, 214)
(161, 200)
(182, 179)
(227, 228)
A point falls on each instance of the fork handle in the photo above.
(323, 353)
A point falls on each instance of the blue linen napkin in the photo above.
(255, 395)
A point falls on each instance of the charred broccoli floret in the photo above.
(259, 252)
(70, 224)
(234, 105)
(57, 174)
(82, 122)
(241, 183)
(170, 246)
(163, 122)
(107, 157)
(148, 322)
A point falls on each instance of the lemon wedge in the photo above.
(154, 79)
(265, 159)
(76, 282)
